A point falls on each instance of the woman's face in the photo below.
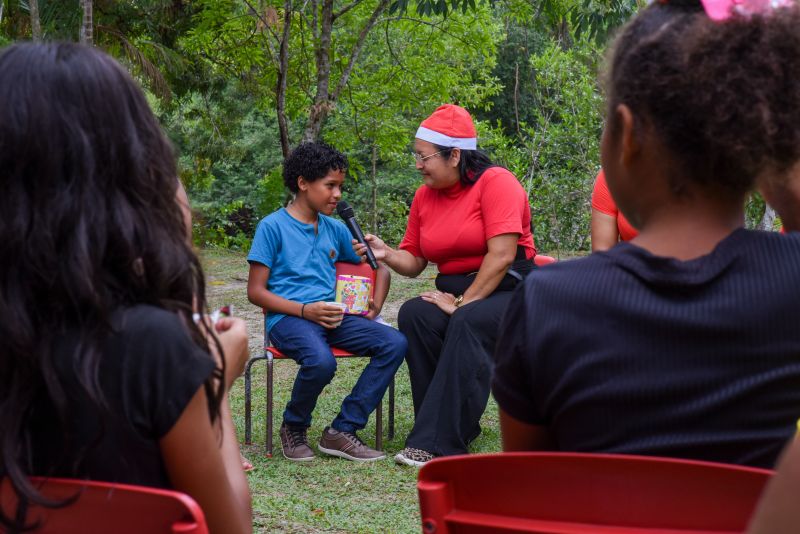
(437, 172)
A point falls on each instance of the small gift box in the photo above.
(353, 292)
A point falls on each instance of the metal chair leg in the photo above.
(379, 426)
(391, 409)
(268, 444)
(248, 400)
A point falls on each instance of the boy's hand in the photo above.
(374, 310)
(323, 314)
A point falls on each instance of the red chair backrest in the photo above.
(103, 507)
(357, 269)
(585, 493)
(541, 260)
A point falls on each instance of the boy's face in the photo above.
(322, 195)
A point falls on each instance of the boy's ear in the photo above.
(302, 185)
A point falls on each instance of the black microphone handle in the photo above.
(355, 229)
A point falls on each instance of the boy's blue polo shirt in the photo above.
(300, 260)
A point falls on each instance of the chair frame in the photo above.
(271, 354)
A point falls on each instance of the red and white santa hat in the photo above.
(449, 126)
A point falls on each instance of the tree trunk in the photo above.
(374, 188)
(86, 34)
(283, 68)
(36, 25)
(324, 100)
(319, 109)
(768, 220)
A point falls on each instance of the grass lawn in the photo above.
(328, 494)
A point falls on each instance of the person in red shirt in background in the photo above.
(609, 225)
(472, 219)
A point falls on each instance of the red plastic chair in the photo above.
(103, 507)
(541, 260)
(271, 354)
(572, 493)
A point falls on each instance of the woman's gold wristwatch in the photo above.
(458, 301)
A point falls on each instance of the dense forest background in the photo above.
(237, 83)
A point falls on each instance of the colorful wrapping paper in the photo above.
(353, 292)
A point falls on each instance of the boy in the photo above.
(292, 275)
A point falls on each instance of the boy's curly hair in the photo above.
(312, 161)
(724, 97)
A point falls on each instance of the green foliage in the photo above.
(597, 19)
(556, 155)
(514, 105)
(754, 210)
(434, 7)
(429, 62)
(524, 69)
(396, 184)
(229, 161)
(225, 225)
(563, 146)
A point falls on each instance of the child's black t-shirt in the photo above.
(626, 352)
(150, 369)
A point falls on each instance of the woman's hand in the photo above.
(377, 245)
(445, 301)
(324, 314)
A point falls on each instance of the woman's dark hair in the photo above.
(312, 161)
(470, 166)
(89, 223)
(723, 97)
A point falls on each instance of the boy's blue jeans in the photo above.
(308, 344)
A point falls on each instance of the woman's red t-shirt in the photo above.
(602, 202)
(450, 227)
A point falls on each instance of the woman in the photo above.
(682, 342)
(473, 220)
(609, 225)
(104, 374)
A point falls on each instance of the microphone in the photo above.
(346, 213)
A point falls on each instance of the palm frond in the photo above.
(158, 84)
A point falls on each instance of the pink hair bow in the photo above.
(724, 9)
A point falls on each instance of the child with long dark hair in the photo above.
(104, 374)
(684, 341)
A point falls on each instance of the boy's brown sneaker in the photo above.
(294, 444)
(347, 445)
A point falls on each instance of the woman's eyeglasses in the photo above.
(419, 158)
